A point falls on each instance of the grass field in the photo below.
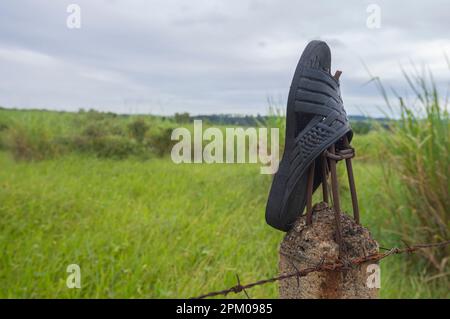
(154, 229)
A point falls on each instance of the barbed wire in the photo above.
(339, 265)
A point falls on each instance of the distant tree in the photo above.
(182, 117)
(361, 127)
(137, 129)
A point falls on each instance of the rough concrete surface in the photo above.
(306, 246)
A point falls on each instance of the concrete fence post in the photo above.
(307, 246)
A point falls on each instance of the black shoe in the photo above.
(315, 119)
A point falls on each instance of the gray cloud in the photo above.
(206, 56)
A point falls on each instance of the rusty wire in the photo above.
(338, 266)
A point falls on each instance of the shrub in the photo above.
(114, 147)
(102, 127)
(94, 131)
(160, 141)
(181, 118)
(108, 146)
(31, 144)
(96, 115)
(3, 127)
(361, 127)
(138, 128)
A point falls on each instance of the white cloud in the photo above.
(205, 56)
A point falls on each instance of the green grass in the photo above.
(143, 227)
(137, 229)
(154, 229)
(416, 149)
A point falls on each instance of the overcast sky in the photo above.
(161, 57)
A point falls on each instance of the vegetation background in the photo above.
(99, 190)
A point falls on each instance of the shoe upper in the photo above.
(315, 119)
